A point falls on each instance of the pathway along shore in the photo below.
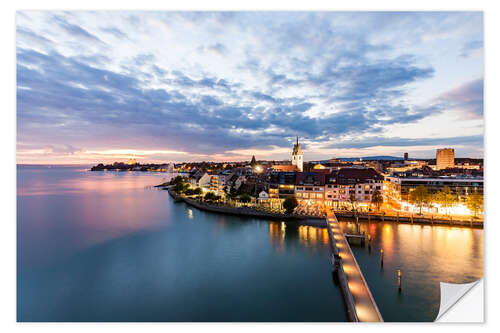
(315, 221)
(318, 221)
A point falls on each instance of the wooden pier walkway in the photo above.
(359, 300)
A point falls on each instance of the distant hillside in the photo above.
(368, 158)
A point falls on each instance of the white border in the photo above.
(7, 114)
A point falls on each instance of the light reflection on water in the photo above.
(140, 254)
(426, 255)
(95, 246)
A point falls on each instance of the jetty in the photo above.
(358, 298)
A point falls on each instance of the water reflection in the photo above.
(126, 253)
(312, 238)
(59, 181)
(61, 210)
(426, 255)
(141, 256)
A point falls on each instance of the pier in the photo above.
(358, 299)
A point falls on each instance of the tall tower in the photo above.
(297, 156)
(445, 158)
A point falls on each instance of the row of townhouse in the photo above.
(323, 187)
(360, 184)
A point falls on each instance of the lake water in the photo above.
(105, 246)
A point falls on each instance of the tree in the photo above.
(253, 162)
(445, 198)
(233, 193)
(308, 166)
(179, 187)
(245, 198)
(289, 204)
(197, 191)
(377, 199)
(352, 199)
(210, 196)
(475, 202)
(177, 180)
(419, 196)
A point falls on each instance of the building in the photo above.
(310, 187)
(405, 166)
(298, 156)
(281, 184)
(445, 158)
(218, 181)
(397, 189)
(319, 166)
(350, 186)
(200, 179)
(284, 168)
(406, 156)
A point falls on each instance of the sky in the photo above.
(222, 86)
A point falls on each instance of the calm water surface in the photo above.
(426, 255)
(100, 246)
(105, 246)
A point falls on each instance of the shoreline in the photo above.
(318, 221)
(411, 220)
(314, 221)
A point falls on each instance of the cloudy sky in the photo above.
(179, 86)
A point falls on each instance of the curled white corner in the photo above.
(460, 304)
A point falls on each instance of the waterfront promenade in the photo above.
(399, 217)
(315, 221)
(359, 295)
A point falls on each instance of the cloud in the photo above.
(470, 47)
(466, 99)
(217, 48)
(31, 37)
(115, 32)
(70, 91)
(76, 30)
(322, 76)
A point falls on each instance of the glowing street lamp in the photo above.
(258, 169)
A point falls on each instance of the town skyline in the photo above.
(224, 86)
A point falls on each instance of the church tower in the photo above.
(297, 156)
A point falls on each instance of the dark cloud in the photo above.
(66, 92)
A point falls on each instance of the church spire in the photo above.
(297, 140)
